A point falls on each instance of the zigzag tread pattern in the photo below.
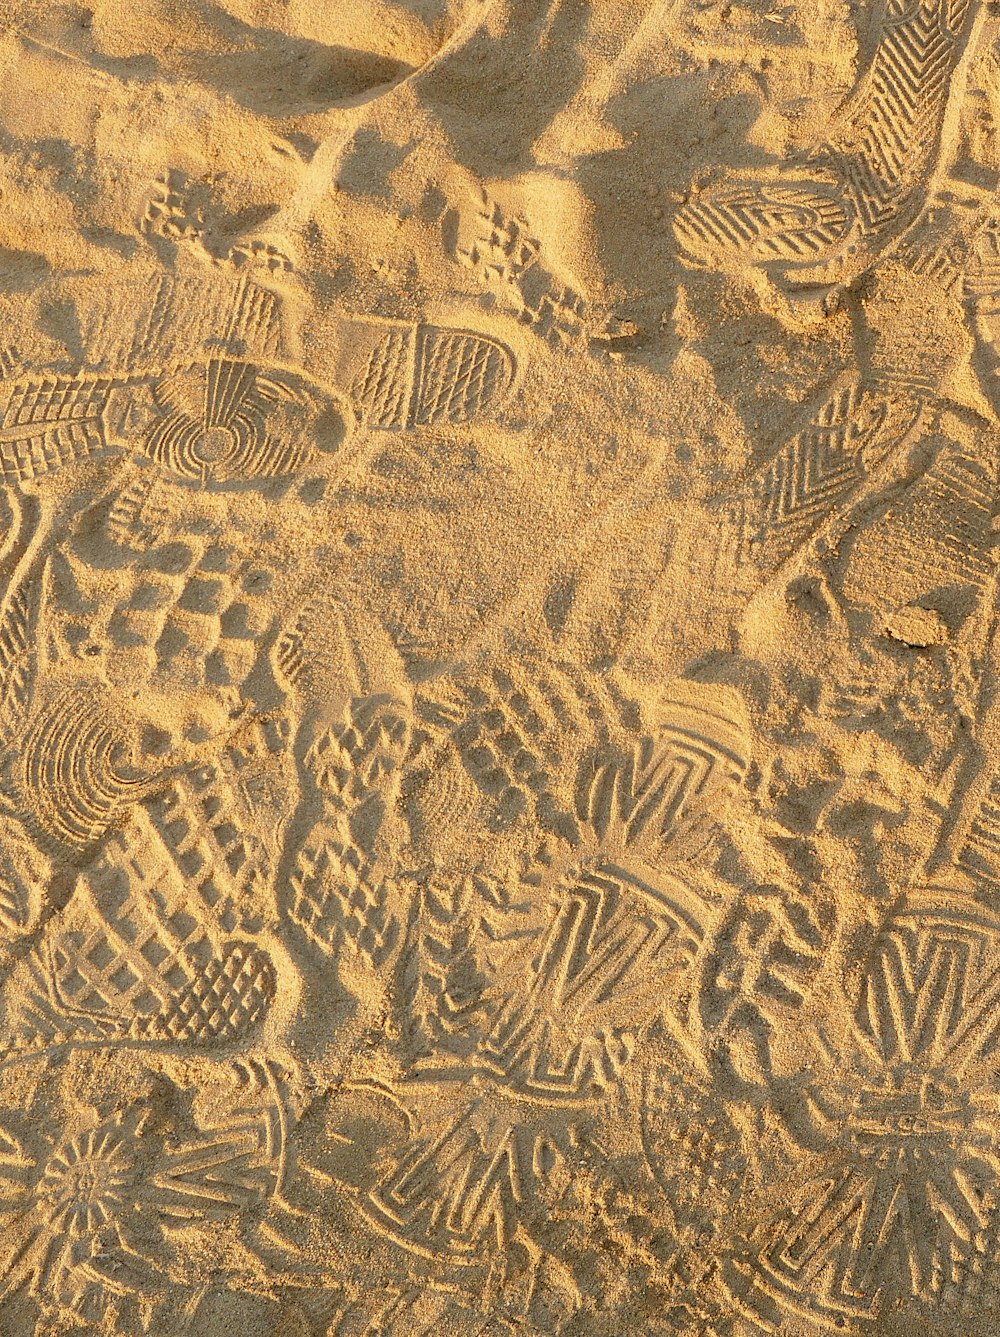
(812, 471)
(903, 103)
(756, 218)
(382, 387)
(460, 375)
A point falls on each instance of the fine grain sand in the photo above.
(499, 725)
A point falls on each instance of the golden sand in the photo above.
(499, 726)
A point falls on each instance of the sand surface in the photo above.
(499, 721)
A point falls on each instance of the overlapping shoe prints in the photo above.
(515, 729)
(499, 814)
(227, 420)
(223, 421)
(106, 1218)
(903, 1205)
(598, 934)
(78, 767)
(158, 940)
(824, 219)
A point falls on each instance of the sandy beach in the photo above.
(499, 644)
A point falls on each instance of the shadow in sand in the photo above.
(534, 70)
(266, 71)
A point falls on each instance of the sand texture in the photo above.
(499, 635)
